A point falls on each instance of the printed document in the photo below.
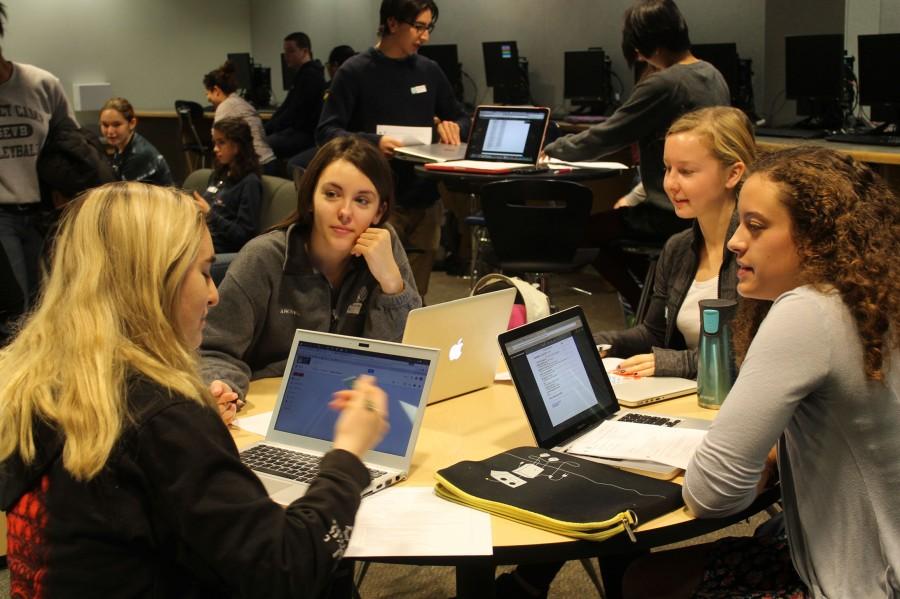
(410, 136)
(633, 441)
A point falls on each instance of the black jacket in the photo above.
(303, 104)
(233, 217)
(173, 513)
(141, 161)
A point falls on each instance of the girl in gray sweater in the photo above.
(817, 335)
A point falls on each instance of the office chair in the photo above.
(190, 119)
(536, 226)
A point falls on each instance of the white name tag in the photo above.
(418, 89)
(212, 189)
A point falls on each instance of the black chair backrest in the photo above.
(536, 219)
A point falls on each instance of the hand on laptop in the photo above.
(448, 131)
(363, 419)
(375, 246)
(640, 365)
(388, 144)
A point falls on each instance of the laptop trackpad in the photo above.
(281, 491)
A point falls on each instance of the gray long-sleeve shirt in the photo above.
(271, 289)
(802, 385)
(645, 117)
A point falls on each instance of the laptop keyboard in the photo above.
(639, 418)
(286, 463)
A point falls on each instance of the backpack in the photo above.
(530, 304)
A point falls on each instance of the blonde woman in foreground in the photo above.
(117, 474)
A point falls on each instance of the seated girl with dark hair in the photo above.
(134, 158)
(334, 265)
(231, 200)
(817, 337)
(117, 475)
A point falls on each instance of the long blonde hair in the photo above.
(105, 315)
(727, 132)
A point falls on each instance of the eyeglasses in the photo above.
(421, 27)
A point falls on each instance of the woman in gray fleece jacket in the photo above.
(706, 154)
(334, 265)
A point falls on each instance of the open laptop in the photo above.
(565, 390)
(465, 331)
(503, 139)
(301, 430)
(634, 392)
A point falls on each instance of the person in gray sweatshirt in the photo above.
(334, 265)
(818, 342)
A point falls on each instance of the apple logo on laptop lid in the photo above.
(456, 350)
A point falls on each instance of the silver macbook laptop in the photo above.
(434, 152)
(634, 392)
(301, 430)
(503, 139)
(465, 331)
(565, 390)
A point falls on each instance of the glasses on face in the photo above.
(421, 27)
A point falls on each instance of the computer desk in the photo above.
(483, 423)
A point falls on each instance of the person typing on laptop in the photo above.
(816, 334)
(706, 154)
(117, 475)
(390, 84)
(334, 265)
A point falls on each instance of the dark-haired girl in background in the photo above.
(134, 158)
(231, 200)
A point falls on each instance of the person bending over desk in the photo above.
(817, 333)
(390, 84)
(655, 32)
(334, 265)
(705, 157)
(117, 475)
(221, 86)
(231, 200)
(134, 158)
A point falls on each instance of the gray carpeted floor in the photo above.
(421, 582)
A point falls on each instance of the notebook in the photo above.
(503, 139)
(565, 390)
(465, 331)
(633, 392)
(302, 425)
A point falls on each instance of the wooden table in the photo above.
(483, 423)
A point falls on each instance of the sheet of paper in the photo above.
(258, 423)
(410, 136)
(630, 440)
(557, 163)
(413, 521)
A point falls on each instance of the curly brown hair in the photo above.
(846, 226)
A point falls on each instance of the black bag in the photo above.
(558, 492)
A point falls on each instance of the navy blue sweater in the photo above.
(233, 217)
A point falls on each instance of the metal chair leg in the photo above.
(360, 576)
(592, 574)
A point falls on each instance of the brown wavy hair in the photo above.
(845, 222)
(235, 130)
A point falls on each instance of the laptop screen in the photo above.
(559, 376)
(320, 370)
(507, 134)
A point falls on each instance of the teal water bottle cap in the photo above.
(710, 322)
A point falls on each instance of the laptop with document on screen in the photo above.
(566, 392)
(503, 139)
(301, 430)
(465, 331)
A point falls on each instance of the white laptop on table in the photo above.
(465, 331)
(634, 392)
(566, 392)
(301, 430)
(503, 139)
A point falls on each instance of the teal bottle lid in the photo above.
(710, 322)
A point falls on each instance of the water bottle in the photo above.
(715, 371)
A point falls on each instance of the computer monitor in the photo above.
(501, 64)
(879, 65)
(585, 79)
(287, 74)
(724, 57)
(447, 57)
(243, 68)
(814, 67)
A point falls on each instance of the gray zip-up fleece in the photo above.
(675, 271)
(271, 289)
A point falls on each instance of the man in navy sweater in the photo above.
(390, 84)
(292, 128)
